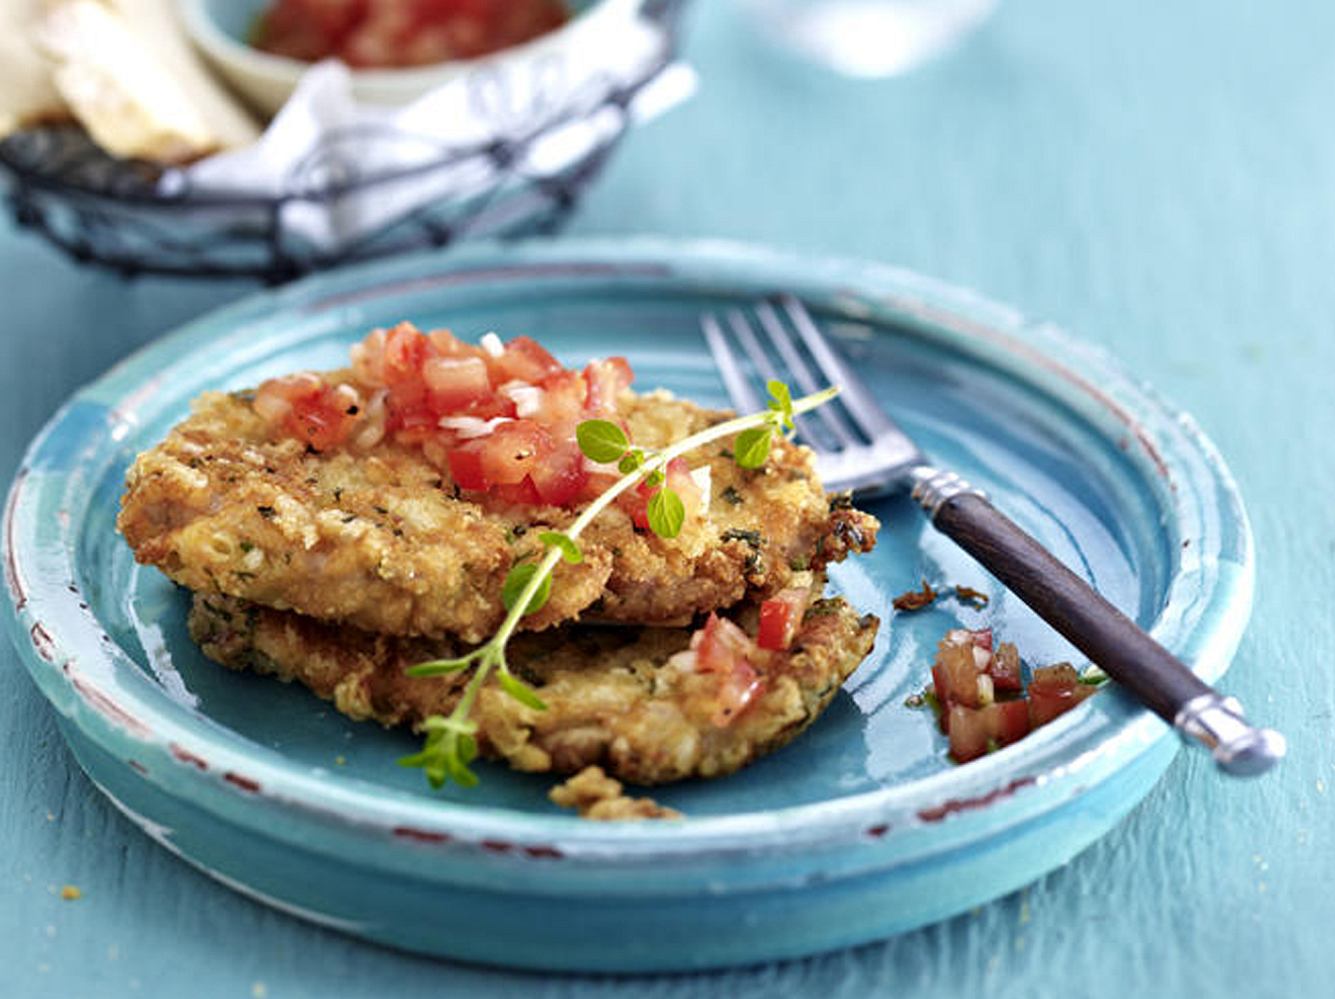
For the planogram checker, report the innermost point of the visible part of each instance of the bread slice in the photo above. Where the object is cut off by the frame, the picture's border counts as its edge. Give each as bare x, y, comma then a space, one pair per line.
28, 92
130, 77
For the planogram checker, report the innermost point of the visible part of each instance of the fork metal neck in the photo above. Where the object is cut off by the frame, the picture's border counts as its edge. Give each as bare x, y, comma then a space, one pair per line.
932, 487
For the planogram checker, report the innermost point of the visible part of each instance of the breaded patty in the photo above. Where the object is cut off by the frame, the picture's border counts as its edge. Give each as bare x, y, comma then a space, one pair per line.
382, 540
615, 697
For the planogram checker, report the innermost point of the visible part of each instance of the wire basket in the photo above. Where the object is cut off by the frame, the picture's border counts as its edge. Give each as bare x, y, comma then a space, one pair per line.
135, 217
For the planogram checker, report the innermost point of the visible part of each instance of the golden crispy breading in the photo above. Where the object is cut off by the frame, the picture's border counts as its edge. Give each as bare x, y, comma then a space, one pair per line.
613, 698
598, 797
381, 540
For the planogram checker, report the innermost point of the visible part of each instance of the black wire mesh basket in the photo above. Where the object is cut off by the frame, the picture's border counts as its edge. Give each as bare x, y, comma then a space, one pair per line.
137, 217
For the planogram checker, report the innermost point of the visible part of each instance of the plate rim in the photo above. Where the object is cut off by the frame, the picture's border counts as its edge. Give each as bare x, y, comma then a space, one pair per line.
1043, 769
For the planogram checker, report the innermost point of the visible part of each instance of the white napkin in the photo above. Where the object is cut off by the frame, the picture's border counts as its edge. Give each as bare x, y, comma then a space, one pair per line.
322, 133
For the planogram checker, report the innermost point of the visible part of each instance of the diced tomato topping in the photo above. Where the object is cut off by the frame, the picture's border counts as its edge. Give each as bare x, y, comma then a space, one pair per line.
559, 478
781, 616
513, 450
1053, 691
725, 650
446, 344
1004, 668
956, 674
561, 403
1007, 721
525, 360
454, 383
966, 678
308, 409
522, 493
405, 352
501, 417
967, 728
607, 379
466, 467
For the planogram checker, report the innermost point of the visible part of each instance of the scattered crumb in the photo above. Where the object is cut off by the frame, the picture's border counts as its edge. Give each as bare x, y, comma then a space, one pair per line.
50, 816
599, 797
913, 600
259, 990
1320, 786
69, 893
340, 760
968, 595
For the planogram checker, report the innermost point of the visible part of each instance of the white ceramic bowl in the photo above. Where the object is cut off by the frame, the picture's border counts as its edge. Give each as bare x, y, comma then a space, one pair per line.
218, 28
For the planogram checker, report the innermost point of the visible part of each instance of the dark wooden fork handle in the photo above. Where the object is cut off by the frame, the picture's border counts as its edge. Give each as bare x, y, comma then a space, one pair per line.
1094, 626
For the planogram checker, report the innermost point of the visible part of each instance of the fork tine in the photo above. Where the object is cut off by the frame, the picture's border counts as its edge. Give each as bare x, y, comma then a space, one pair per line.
801, 372
761, 358
859, 402
739, 388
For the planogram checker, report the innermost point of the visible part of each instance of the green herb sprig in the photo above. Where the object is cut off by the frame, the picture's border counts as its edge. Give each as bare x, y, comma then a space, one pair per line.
451, 742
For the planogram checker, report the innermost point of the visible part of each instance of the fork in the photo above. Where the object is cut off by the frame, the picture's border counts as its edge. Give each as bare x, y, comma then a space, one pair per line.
859, 447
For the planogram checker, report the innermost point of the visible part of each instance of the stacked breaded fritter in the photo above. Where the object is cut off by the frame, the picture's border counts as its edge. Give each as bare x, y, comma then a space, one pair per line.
340, 566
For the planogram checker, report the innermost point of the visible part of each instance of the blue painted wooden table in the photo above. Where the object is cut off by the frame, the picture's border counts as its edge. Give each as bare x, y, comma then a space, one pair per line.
1159, 178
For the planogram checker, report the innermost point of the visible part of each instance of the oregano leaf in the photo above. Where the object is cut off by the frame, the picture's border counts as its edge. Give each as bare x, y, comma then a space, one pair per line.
438, 667
514, 584
752, 447
601, 441
666, 513
520, 691
781, 401
569, 550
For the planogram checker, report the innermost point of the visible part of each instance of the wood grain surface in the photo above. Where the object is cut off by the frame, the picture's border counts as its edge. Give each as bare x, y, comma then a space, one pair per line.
1159, 178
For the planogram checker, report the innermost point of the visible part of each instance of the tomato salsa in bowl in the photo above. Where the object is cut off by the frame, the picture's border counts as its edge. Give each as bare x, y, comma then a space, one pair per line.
383, 34
398, 49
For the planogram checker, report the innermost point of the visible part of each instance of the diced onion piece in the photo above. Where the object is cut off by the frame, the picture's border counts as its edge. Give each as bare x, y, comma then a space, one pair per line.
470, 427
527, 398
491, 343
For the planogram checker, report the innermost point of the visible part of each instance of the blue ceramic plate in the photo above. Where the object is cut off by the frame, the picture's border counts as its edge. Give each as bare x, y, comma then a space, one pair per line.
860, 829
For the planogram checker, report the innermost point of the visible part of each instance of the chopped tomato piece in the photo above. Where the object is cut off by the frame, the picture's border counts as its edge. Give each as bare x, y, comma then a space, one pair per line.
307, 408
368, 358
466, 467
956, 673
514, 450
1053, 691
781, 616
561, 400
607, 379
446, 344
525, 360
1006, 721
982, 638
967, 728
560, 478
724, 649
522, 493
406, 350
453, 383
1004, 668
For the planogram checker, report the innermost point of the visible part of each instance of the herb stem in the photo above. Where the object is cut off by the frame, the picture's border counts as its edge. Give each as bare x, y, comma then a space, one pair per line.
443, 754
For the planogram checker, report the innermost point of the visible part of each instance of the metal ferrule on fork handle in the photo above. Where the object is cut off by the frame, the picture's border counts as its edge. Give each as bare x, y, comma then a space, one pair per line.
933, 486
